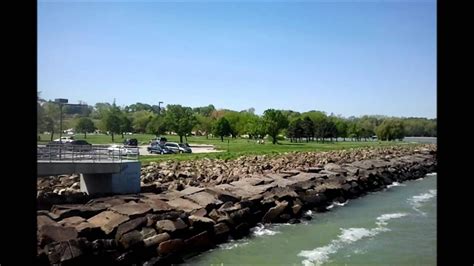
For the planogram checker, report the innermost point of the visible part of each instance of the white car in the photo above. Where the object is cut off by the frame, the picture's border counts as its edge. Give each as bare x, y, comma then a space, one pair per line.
65, 139
121, 150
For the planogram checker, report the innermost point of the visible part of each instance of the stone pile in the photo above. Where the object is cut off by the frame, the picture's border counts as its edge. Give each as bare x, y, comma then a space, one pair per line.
167, 227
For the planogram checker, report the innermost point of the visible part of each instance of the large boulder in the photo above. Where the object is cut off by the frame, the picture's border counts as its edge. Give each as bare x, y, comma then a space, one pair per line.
72, 221
132, 209
184, 205
222, 195
171, 246
66, 251
201, 223
170, 226
108, 220
131, 239
274, 212
204, 199
156, 239
52, 233
158, 205
199, 242
130, 225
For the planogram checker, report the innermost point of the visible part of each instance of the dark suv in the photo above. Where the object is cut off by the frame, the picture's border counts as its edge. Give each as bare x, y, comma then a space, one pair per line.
159, 149
130, 142
78, 145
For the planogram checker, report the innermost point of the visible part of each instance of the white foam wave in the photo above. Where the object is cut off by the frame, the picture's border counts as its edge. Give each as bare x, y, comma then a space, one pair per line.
382, 219
335, 203
309, 212
320, 255
341, 204
396, 184
261, 230
417, 201
431, 174
233, 244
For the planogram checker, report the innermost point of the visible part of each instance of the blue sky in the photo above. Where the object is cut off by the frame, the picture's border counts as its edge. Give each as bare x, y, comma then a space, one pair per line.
344, 57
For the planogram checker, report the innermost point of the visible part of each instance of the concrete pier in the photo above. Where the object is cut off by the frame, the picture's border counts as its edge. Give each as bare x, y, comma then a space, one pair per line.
121, 177
126, 181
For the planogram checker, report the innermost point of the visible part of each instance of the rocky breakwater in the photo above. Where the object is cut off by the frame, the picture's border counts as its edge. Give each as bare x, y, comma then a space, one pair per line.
164, 228
175, 175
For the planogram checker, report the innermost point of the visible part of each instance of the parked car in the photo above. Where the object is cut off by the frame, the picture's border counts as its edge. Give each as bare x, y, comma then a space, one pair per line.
65, 139
122, 151
78, 145
159, 149
178, 147
130, 142
74, 145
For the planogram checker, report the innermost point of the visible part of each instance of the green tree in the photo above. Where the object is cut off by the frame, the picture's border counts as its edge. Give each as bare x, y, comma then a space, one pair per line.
307, 126
50, 117
157, 125
255, 127
100, 110
204, 124
205, 110
341, 128
180, 119
274, 121
390, 129
112, 120
222, 128
125, 124
295, 130
85, 125
141, 119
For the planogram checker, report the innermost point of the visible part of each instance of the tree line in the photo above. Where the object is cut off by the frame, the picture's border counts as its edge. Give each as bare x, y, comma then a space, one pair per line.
209, 121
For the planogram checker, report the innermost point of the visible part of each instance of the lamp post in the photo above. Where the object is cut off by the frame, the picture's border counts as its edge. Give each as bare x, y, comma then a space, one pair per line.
61, 102
159, 108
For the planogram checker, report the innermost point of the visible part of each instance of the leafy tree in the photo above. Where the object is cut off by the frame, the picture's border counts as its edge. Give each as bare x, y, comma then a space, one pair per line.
390, 129
204, 124
233, 118
255, 127
50, 118
141, 120
354, 131
112, 120
157, 125
341, 128
222, 128
85, 125
100, 110
307, 126
274, 121
180, 120
125, 125
205, 110
295, 130
137, 107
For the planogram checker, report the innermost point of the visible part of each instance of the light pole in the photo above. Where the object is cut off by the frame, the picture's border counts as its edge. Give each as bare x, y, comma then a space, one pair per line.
159, 108
61, 103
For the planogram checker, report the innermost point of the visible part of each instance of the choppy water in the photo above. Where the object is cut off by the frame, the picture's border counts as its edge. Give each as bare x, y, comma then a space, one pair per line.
392, 227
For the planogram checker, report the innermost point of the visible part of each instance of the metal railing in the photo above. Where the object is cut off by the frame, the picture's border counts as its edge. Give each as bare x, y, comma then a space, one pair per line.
94, 153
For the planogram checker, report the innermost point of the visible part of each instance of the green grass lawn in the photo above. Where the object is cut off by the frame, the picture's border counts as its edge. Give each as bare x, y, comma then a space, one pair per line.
232, 148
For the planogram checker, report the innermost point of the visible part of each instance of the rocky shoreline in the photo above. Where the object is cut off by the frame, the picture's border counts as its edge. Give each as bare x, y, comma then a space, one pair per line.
181, 215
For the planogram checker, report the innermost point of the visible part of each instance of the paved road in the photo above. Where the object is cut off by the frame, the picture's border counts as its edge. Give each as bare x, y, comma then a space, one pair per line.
194, 147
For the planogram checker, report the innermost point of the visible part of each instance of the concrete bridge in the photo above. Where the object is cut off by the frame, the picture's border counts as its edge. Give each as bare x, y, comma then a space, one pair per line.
101, 170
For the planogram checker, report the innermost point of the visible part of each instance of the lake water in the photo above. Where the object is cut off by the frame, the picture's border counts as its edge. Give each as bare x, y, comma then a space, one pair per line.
396, 226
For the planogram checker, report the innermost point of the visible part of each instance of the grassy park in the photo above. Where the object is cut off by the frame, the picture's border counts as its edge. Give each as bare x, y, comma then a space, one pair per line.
232, 148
